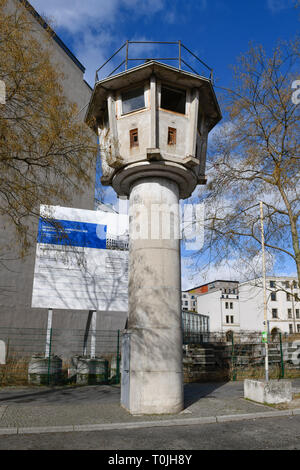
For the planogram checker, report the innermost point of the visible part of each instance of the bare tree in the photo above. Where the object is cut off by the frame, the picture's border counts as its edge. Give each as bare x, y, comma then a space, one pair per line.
255, 157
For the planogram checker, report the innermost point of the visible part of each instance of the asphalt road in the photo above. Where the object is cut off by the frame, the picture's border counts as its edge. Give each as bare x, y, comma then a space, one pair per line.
261, 434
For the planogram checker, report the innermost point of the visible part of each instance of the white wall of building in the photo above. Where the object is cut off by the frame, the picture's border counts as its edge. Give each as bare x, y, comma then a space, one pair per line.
283, 309
222, 309
188, 302
247, 308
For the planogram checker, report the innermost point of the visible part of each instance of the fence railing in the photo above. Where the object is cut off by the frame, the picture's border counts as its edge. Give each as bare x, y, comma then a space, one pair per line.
242, 355
248, 355
123, 55
31, 356
37, 356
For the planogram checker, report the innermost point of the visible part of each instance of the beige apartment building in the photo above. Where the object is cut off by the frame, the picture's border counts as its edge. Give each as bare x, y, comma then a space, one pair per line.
16, 274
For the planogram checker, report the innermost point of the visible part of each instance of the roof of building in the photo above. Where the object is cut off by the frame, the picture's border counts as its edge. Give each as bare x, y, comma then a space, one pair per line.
208, 283
55, 37
270, 278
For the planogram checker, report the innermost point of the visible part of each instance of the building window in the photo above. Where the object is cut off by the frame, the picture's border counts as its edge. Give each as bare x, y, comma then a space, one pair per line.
133, 100
298, 328
173, 99
274, 313
273, 295
287, 284
288, 297
226, 305
272, 284
289, 313
186, 302
227, 318
291, 328
295, 285
171, 136
297, 313
231, 305
231, 318
134, 138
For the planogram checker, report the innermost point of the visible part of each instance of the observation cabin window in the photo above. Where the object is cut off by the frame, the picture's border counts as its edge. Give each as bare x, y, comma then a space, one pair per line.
134, 138
132, 100
173, 99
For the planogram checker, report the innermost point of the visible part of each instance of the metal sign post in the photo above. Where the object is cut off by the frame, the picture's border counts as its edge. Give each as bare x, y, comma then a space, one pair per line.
93, 334
49, 329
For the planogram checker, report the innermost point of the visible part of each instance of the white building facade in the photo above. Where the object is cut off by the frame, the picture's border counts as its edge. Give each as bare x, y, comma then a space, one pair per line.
222, 308
283, 305
188, 302
244, 310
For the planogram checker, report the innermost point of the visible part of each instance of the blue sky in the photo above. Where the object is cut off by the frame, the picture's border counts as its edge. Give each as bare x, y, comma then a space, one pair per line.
218, 31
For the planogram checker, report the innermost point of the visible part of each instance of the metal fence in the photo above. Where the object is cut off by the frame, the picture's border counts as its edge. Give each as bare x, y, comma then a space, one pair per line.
128, 55
37, 356
248, 356
236, 356
30, 356
195, 327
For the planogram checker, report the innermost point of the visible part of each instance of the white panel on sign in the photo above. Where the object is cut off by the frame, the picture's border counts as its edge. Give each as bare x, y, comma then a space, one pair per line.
81, 260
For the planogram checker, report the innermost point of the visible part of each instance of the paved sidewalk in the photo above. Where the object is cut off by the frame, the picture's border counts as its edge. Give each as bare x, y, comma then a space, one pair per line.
58, 409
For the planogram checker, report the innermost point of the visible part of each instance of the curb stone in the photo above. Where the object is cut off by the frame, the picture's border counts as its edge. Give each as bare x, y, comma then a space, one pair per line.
45, 429
148, 424
6, 431
266, 414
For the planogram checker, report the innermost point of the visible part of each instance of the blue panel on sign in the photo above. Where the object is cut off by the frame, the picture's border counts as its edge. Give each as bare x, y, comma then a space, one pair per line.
67, 232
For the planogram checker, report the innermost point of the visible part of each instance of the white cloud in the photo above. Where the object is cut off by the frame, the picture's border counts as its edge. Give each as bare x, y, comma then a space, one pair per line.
94, 26
234, 269
192, 277
75, 15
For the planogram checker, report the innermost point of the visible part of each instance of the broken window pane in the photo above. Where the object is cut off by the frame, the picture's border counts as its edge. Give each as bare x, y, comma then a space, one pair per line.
171, 136
133, 100
134, 138
173, 99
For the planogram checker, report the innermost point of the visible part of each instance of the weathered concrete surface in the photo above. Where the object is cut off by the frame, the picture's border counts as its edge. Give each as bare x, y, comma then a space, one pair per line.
155, 374
272, 392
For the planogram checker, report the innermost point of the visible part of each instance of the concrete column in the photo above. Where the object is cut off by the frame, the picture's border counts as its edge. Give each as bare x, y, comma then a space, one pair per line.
154, 323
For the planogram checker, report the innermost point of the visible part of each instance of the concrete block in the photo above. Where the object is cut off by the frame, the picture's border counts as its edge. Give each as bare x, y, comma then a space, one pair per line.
2, 352
271, 392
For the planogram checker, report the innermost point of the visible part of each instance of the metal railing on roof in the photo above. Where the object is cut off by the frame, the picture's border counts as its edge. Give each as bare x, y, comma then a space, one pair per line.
179, 58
